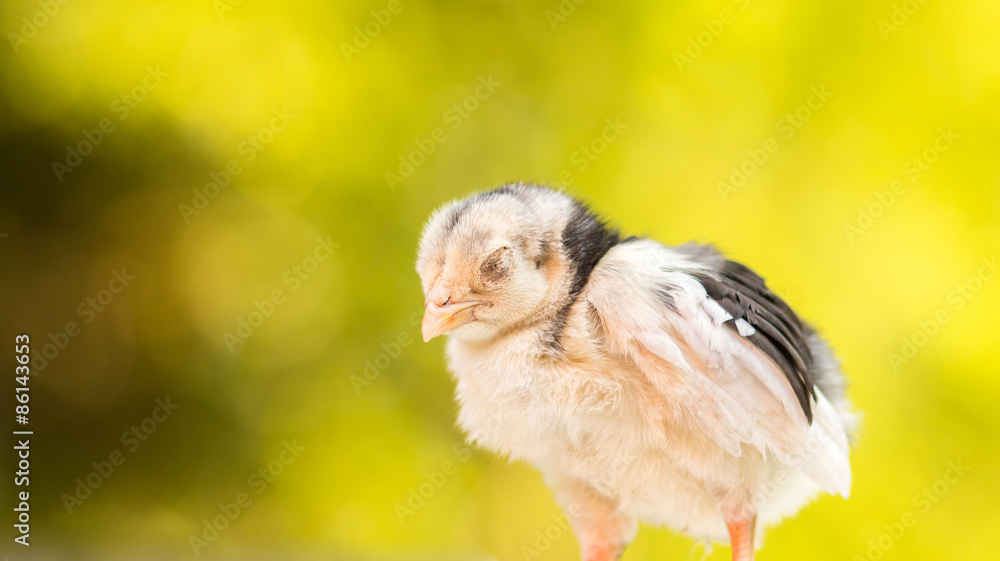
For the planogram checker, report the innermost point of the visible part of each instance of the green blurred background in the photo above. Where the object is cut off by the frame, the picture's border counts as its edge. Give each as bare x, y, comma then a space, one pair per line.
228, 150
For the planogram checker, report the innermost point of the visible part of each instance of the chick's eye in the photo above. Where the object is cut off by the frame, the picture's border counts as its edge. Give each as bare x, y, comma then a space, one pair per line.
496, 265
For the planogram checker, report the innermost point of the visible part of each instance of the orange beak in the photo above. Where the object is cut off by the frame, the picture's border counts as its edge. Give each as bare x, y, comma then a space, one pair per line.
439, 320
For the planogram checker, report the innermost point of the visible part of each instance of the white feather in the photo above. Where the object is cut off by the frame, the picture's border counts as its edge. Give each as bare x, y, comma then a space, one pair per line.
736, 396
744, 327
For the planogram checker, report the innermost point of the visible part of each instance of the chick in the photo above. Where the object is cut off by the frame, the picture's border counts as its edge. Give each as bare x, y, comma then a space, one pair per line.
647, 383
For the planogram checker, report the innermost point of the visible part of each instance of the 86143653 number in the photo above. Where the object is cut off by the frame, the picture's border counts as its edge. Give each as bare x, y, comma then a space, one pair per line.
21, 376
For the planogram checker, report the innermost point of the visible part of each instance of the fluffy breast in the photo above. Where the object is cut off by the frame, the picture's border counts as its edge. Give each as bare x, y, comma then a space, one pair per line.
596, 418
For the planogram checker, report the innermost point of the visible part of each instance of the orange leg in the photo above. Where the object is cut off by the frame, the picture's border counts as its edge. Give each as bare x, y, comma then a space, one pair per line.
602, 529
741, 538
603, 554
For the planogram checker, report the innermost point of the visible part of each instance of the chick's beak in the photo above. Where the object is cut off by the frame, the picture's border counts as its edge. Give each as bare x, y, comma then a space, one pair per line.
439, 320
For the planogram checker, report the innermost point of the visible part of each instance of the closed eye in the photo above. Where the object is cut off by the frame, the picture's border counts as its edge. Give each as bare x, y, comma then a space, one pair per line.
496, 265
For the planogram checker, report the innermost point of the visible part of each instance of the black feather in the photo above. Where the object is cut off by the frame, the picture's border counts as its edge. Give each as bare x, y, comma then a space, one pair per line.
585, 240
779, 333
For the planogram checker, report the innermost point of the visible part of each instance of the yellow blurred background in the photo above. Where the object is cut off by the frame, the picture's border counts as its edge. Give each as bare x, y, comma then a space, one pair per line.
224, 197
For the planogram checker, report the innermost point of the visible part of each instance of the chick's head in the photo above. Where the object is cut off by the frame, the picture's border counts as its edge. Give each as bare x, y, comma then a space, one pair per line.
482, 264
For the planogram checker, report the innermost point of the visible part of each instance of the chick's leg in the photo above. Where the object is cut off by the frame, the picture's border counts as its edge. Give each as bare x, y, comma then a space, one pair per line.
602, 529
741, 538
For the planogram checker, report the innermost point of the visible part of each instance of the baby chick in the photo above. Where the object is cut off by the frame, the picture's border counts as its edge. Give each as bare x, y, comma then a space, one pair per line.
645, 382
